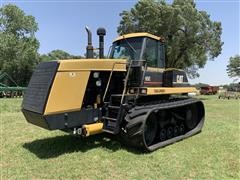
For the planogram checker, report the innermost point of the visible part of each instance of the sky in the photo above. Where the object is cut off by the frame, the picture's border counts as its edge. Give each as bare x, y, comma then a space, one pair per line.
62, 26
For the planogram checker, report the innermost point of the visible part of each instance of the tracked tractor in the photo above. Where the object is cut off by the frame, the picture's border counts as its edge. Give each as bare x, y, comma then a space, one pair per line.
129, 94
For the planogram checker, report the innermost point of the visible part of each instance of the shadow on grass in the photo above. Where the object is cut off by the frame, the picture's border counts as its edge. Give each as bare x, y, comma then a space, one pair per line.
203, 99
207, 97
57, 146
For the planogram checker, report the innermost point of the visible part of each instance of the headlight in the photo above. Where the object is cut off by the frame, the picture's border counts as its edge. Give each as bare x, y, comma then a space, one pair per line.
143, 91
131, 91
98, 83
96, 74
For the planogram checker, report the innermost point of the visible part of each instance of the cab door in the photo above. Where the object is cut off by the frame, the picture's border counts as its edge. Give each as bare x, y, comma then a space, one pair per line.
154, 56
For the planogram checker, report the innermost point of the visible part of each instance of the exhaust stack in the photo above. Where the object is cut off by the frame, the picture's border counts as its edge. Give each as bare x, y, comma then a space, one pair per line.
89, 48
101, 32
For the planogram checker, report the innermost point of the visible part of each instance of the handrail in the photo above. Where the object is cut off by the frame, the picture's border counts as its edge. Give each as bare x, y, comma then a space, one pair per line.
126, 79
127, 76
125, 82
144, 72
110, 77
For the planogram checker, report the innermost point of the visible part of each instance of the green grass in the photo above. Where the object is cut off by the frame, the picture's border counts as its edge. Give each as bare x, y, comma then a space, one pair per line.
29, 152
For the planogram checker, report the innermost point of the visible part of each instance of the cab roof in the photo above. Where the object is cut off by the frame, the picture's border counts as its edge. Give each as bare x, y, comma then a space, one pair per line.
140, 34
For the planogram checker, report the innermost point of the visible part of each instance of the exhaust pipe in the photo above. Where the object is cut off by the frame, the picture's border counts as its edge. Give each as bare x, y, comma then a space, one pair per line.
101, 32
89, 48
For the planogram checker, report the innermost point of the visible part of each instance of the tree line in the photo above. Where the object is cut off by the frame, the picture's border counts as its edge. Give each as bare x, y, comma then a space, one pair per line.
192, 37
19, 47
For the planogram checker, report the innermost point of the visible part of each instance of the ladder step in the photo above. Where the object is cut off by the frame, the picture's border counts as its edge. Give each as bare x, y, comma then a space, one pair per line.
108, 131
110, 124
110, 127
114, 107
109, 118
106, 102
117, 95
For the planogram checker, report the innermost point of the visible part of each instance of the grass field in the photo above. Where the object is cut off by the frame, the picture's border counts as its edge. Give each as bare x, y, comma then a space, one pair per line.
29, 152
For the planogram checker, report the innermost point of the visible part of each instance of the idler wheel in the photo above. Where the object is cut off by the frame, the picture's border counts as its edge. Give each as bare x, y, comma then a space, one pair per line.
150, 129
191, 117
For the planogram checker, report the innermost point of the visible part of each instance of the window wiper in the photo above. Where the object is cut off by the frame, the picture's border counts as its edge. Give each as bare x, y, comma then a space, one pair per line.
109, 51
129, 45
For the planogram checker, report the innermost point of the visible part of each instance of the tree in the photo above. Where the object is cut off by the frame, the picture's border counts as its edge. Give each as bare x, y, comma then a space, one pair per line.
199, 85
58, 55
233, 68
18, 46
192, 38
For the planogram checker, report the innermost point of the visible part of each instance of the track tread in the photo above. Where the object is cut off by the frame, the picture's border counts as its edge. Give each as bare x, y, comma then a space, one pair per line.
136, 117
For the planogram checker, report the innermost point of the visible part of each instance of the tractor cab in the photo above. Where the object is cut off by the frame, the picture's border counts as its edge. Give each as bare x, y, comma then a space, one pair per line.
144, 49
140, 46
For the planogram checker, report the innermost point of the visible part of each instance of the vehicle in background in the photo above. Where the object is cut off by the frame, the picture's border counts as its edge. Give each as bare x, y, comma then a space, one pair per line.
208, 90
192, 94
231, 92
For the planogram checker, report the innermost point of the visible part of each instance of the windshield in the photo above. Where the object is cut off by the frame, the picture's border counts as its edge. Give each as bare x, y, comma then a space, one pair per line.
127, 49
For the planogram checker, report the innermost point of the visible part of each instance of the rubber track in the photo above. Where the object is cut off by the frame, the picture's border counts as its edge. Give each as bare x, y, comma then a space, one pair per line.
136, 117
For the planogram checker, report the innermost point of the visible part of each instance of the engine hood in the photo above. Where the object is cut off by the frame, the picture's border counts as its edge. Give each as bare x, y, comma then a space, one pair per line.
92, 65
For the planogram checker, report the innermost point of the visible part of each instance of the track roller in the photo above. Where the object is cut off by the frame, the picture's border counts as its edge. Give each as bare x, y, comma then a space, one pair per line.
169, 132
181, 129
163, 135
175, 131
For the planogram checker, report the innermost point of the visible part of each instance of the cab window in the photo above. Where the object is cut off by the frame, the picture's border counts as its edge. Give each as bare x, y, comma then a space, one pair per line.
151, 53
127, 48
